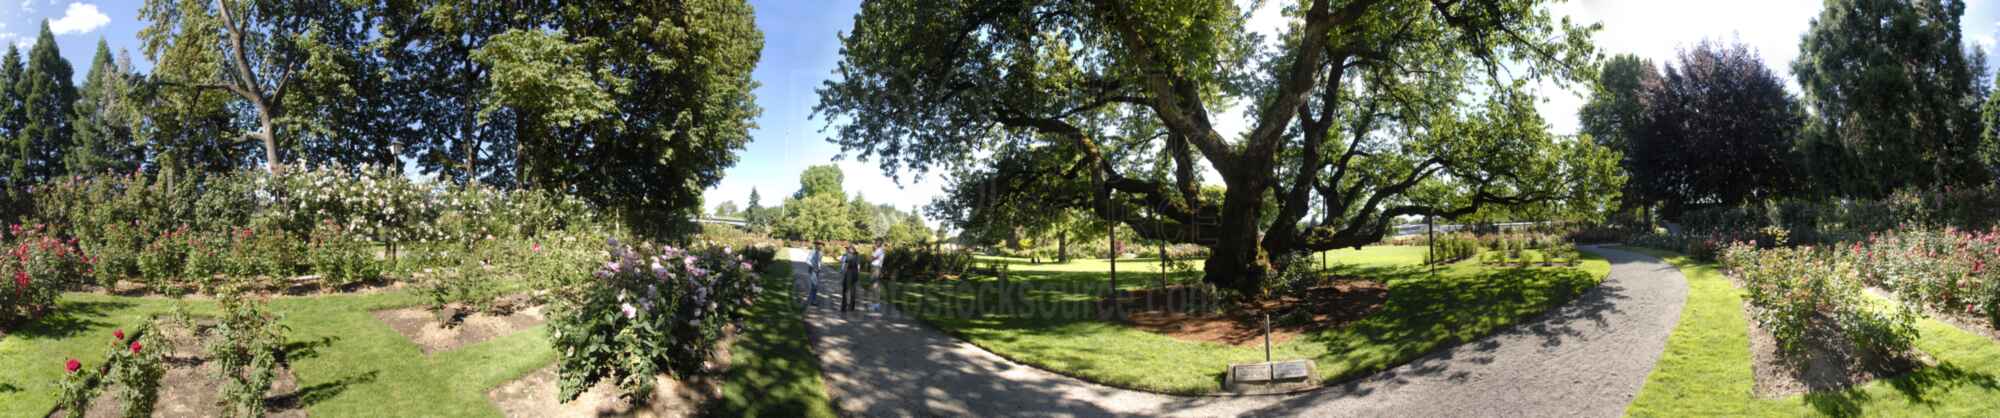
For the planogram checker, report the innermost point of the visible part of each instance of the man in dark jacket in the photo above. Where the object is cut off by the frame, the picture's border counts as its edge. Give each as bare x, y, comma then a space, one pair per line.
850, 276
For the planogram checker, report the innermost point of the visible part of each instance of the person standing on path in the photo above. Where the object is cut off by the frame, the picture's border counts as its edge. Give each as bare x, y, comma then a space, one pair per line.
850, 269
875, 267
812, 270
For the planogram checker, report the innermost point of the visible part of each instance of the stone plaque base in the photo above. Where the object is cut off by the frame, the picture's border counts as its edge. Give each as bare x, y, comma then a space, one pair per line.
1271, 377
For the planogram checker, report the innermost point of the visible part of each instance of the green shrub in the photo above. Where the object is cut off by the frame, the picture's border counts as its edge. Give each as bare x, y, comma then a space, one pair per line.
339, 257
1451, 248
924, 264
245, 352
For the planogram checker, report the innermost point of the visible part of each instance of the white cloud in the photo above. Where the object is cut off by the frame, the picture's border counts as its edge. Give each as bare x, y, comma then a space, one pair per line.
27, 6
79, 18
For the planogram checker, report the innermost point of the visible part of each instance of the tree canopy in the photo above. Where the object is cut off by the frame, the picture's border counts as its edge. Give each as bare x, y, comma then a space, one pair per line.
1374, 110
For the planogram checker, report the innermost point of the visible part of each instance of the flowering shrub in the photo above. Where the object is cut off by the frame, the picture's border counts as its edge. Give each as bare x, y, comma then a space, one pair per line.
339, 257
38, 268
134, 364
648, 310
161, 261
1947, 270
77, 387
1798, 289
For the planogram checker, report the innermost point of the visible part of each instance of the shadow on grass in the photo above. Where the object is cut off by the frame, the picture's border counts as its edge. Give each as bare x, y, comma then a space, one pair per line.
298, 350
1918, 385
1427, 312
9, 388
69, 319
774, 371
308, 396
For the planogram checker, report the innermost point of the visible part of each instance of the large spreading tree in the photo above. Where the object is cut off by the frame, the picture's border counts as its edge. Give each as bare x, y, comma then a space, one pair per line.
1894, 97
1373, 110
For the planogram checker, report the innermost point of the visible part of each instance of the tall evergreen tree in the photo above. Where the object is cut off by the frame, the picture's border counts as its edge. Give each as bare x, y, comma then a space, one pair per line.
104, 116
11, 118
1893, 97
47, 97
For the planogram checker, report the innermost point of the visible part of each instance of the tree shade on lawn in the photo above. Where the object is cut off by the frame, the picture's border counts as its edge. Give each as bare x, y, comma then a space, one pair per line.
1463, 302
1706, 369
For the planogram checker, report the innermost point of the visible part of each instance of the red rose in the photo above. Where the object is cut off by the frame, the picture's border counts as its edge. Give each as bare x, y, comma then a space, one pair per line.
73, 365
135, 347
21, 280
120, 333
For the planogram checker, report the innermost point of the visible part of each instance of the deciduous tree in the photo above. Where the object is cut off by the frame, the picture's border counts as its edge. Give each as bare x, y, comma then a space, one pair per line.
1717, 129
1362, 105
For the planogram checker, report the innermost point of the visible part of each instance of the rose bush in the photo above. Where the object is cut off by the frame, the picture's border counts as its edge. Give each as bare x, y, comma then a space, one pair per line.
38, 267
1947, 270
1798, 289
649, 309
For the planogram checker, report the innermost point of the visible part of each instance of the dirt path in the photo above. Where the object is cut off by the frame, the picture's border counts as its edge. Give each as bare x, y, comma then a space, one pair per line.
1587, 358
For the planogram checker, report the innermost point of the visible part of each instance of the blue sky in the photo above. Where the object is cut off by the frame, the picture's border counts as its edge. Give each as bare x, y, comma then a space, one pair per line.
801, 49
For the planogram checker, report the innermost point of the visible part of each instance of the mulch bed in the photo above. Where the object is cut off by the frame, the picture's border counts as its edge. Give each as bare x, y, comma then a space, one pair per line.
1830, 363
462, 328
1335, 303
534, 395
190, 387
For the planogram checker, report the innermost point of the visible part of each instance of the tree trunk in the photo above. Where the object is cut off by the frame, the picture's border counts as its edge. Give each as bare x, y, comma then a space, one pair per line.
1062, 248
1237, 261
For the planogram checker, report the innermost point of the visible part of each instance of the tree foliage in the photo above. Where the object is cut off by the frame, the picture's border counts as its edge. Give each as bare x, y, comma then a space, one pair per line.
1893, 96
105, 115
46, 94
1716, 130
1374, 109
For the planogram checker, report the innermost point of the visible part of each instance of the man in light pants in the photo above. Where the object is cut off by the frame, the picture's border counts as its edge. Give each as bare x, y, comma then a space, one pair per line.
812, 270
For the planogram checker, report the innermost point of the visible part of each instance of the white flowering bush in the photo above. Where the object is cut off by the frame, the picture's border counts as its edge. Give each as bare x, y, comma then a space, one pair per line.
371, 201
649, 309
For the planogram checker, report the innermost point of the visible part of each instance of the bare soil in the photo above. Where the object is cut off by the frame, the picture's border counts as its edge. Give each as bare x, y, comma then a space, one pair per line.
460, 329
1830, 363
534, 395
191, 387
1330, 305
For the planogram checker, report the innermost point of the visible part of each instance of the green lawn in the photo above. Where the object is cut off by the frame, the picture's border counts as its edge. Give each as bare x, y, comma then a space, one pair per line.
350, 364
1462, 302
773, 371
1706, 369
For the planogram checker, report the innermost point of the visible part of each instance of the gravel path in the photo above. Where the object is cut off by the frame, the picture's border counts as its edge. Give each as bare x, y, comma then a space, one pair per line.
1587, 358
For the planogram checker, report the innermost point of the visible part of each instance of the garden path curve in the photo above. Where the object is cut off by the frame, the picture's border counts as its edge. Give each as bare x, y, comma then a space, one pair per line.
1587, 358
